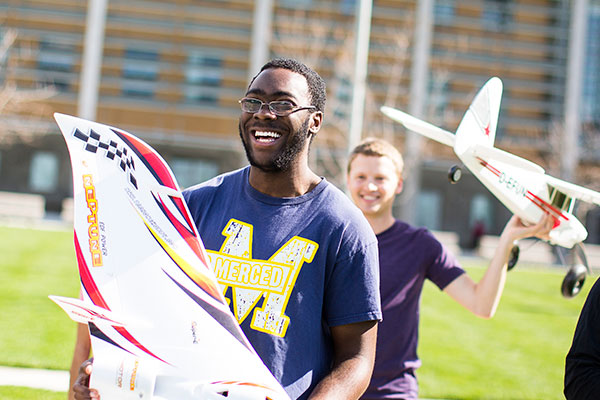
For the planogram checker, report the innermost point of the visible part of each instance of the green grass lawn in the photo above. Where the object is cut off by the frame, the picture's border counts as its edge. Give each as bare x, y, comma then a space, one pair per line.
519, 354
22, 393
35, 332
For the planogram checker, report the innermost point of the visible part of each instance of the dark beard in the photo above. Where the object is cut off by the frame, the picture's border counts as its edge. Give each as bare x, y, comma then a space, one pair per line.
286, 156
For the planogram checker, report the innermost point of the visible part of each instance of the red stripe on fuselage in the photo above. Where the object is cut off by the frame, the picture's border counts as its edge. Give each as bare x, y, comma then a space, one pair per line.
547, 208
543, 205
491, 168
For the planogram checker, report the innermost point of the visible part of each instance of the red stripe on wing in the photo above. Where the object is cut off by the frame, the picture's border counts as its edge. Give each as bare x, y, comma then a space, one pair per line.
92, 290
181, 207
86, 278
186, 232
154, 163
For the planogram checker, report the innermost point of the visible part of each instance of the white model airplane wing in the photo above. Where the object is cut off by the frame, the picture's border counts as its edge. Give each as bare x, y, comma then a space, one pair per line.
573, 190
419, 126
486, 152
159, 324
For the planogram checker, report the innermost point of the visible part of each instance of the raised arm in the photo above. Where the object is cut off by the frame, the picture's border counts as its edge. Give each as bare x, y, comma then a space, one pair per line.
354, 347
482, 298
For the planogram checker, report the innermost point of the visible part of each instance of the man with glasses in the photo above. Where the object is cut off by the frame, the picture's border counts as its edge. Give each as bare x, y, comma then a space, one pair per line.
308, 296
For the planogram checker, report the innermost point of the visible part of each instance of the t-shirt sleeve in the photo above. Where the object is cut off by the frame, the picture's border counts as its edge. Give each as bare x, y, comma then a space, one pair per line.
444, 267
352, 291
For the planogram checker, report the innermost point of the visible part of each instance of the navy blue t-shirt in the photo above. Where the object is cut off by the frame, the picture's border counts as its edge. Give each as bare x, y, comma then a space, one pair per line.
407, 256
291, 269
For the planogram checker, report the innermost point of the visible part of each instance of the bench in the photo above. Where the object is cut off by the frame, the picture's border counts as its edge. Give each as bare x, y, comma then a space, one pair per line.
21, 206
450, 240
66, 213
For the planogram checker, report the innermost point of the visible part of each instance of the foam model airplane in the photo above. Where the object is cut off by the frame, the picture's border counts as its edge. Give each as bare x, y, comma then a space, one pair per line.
522, 186
159, 324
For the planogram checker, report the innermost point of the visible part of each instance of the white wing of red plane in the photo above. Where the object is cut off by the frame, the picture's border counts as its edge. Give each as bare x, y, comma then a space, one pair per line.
573, 190
419, 126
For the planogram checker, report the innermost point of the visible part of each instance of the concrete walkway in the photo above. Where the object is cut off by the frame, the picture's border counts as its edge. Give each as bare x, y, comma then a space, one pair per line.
57, 381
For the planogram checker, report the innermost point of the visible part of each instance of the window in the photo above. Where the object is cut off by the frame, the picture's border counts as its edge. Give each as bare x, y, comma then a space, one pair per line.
342, 88
139, 64
196, 94
203, 73
140, 70
3, 57
205, 77
190, 171
299, 4
428, 209
43, 172
444, 12
438, 95
495, 15
56, 60
348, 7
591, 88
56, 56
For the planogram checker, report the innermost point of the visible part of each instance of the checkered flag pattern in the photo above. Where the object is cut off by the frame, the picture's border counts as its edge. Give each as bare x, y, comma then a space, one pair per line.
93, 142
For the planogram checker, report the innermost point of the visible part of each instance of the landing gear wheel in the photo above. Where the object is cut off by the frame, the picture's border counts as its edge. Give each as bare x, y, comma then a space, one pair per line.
454, 174
573, 281
513, 257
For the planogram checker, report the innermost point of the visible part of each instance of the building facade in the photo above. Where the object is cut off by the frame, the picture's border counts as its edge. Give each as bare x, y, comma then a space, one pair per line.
172, 72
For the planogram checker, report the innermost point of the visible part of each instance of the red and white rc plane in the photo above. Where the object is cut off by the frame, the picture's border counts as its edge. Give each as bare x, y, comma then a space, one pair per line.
522, 186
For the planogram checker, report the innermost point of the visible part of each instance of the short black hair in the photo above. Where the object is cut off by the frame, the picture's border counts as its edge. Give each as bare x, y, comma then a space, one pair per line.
316, 84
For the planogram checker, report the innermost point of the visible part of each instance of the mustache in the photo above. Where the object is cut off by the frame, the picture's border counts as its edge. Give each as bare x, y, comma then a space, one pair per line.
259, 127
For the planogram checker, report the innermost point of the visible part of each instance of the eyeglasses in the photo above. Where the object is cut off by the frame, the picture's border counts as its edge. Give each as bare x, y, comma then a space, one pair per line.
279, 108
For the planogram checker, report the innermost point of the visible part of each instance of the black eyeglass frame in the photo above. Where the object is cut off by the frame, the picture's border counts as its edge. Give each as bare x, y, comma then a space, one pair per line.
271, 109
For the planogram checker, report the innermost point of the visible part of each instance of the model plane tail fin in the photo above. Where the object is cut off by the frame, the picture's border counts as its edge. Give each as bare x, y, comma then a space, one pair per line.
479, 123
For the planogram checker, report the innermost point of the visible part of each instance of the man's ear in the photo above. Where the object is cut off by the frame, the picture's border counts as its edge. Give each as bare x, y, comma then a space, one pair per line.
316, 122
400, 185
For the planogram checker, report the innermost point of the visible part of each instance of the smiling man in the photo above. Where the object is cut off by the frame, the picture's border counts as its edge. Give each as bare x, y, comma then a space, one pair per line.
306, 290
296, 260
409, 255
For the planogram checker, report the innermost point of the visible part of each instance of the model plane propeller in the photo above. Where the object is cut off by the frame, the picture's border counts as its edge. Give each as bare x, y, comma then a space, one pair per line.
521, 185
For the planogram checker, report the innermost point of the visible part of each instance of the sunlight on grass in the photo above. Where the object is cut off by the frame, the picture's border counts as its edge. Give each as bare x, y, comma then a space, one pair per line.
35, 332
519, 354
21, 393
